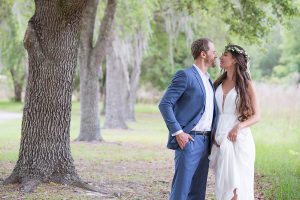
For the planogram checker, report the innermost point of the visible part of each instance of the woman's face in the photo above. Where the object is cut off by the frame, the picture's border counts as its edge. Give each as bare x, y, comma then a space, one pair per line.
227, 61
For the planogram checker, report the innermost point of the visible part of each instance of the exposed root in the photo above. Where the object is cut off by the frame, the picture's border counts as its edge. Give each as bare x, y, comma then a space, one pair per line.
86, 186
29, 185
12, 179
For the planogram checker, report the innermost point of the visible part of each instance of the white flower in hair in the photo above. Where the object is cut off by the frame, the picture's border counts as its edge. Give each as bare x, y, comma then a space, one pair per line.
236, 50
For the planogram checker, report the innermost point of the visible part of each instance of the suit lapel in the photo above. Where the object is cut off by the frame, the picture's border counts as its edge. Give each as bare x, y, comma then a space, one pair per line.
212, 85
196, 73
215, 103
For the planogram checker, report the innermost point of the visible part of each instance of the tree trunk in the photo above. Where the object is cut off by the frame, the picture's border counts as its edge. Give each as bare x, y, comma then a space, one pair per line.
139, 43
18, 86
51, 40
103, 92
18, 77
89, 95
90, 59
115, 102
132, 94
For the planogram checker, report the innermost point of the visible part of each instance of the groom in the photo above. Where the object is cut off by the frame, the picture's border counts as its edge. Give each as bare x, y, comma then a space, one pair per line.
189, 110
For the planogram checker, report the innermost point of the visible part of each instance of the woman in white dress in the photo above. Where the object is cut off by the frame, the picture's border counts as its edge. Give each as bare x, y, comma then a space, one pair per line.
233, 153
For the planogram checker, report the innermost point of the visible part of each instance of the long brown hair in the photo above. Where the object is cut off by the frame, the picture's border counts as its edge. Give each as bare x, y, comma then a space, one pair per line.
242, 76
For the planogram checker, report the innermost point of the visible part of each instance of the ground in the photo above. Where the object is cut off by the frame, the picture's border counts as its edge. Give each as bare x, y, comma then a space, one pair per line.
132, 164
118, 179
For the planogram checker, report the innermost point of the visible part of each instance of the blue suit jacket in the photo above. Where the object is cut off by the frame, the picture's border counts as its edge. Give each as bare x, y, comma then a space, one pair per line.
183, 104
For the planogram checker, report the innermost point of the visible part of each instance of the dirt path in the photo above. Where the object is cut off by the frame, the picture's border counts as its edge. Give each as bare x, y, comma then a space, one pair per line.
9, 116
125, 170
125, 177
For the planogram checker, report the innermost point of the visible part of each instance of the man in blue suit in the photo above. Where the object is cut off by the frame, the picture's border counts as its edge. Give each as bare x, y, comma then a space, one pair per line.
189, 110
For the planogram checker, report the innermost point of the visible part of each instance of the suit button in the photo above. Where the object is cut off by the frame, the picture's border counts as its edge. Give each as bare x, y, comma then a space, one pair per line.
194, 124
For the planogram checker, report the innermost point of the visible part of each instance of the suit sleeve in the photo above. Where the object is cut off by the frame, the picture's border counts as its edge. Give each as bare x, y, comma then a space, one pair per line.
173, 93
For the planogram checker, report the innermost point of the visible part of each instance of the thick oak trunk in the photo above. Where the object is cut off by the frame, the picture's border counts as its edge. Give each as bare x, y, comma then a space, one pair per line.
90, 59
51, 40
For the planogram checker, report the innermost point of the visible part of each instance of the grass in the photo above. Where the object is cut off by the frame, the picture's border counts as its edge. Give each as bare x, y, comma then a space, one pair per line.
277, 140
11, 106
135, 162
131, 164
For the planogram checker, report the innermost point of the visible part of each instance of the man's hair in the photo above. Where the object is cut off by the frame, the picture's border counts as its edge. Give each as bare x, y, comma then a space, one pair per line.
200, 45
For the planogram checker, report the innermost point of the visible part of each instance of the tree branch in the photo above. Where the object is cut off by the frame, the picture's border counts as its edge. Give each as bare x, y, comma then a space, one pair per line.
87, 28
98, 52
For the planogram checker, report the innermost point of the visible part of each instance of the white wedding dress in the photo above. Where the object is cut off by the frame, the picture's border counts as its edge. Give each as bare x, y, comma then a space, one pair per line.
232, 162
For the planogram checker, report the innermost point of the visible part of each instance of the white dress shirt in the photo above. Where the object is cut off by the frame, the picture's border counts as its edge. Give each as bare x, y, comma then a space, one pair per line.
205, 121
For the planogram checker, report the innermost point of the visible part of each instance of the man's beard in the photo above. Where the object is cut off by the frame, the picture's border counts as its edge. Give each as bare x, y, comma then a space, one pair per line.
214, 64
210, 62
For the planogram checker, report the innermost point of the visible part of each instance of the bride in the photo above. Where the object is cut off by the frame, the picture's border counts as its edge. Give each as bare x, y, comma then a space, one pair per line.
233, 153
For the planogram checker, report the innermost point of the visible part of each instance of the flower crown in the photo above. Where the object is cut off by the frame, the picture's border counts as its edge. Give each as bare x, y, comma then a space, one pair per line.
236, 50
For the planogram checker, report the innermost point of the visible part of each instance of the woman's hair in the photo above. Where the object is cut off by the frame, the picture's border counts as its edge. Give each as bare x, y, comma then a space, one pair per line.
242, 76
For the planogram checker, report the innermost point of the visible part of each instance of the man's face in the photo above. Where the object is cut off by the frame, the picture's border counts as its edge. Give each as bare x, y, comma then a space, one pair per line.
211, 55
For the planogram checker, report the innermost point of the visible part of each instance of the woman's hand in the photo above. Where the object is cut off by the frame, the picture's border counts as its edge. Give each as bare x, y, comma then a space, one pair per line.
233, 133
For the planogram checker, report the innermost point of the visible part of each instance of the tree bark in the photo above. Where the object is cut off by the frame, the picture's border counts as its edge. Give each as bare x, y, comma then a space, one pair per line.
90, 60
51, 40
115, 101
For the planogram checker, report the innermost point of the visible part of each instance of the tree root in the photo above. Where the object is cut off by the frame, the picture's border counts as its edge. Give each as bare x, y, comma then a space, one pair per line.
29, 185
86, 186
12, 179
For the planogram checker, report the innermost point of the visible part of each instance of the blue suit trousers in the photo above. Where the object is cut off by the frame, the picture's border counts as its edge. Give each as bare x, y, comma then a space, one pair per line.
191, 169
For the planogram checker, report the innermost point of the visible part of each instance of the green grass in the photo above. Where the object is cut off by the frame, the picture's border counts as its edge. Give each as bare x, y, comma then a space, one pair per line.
120, 161
277, 138
11, 106
149, 129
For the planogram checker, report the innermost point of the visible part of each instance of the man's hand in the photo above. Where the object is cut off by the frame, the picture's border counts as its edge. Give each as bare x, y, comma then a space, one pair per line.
183, 138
